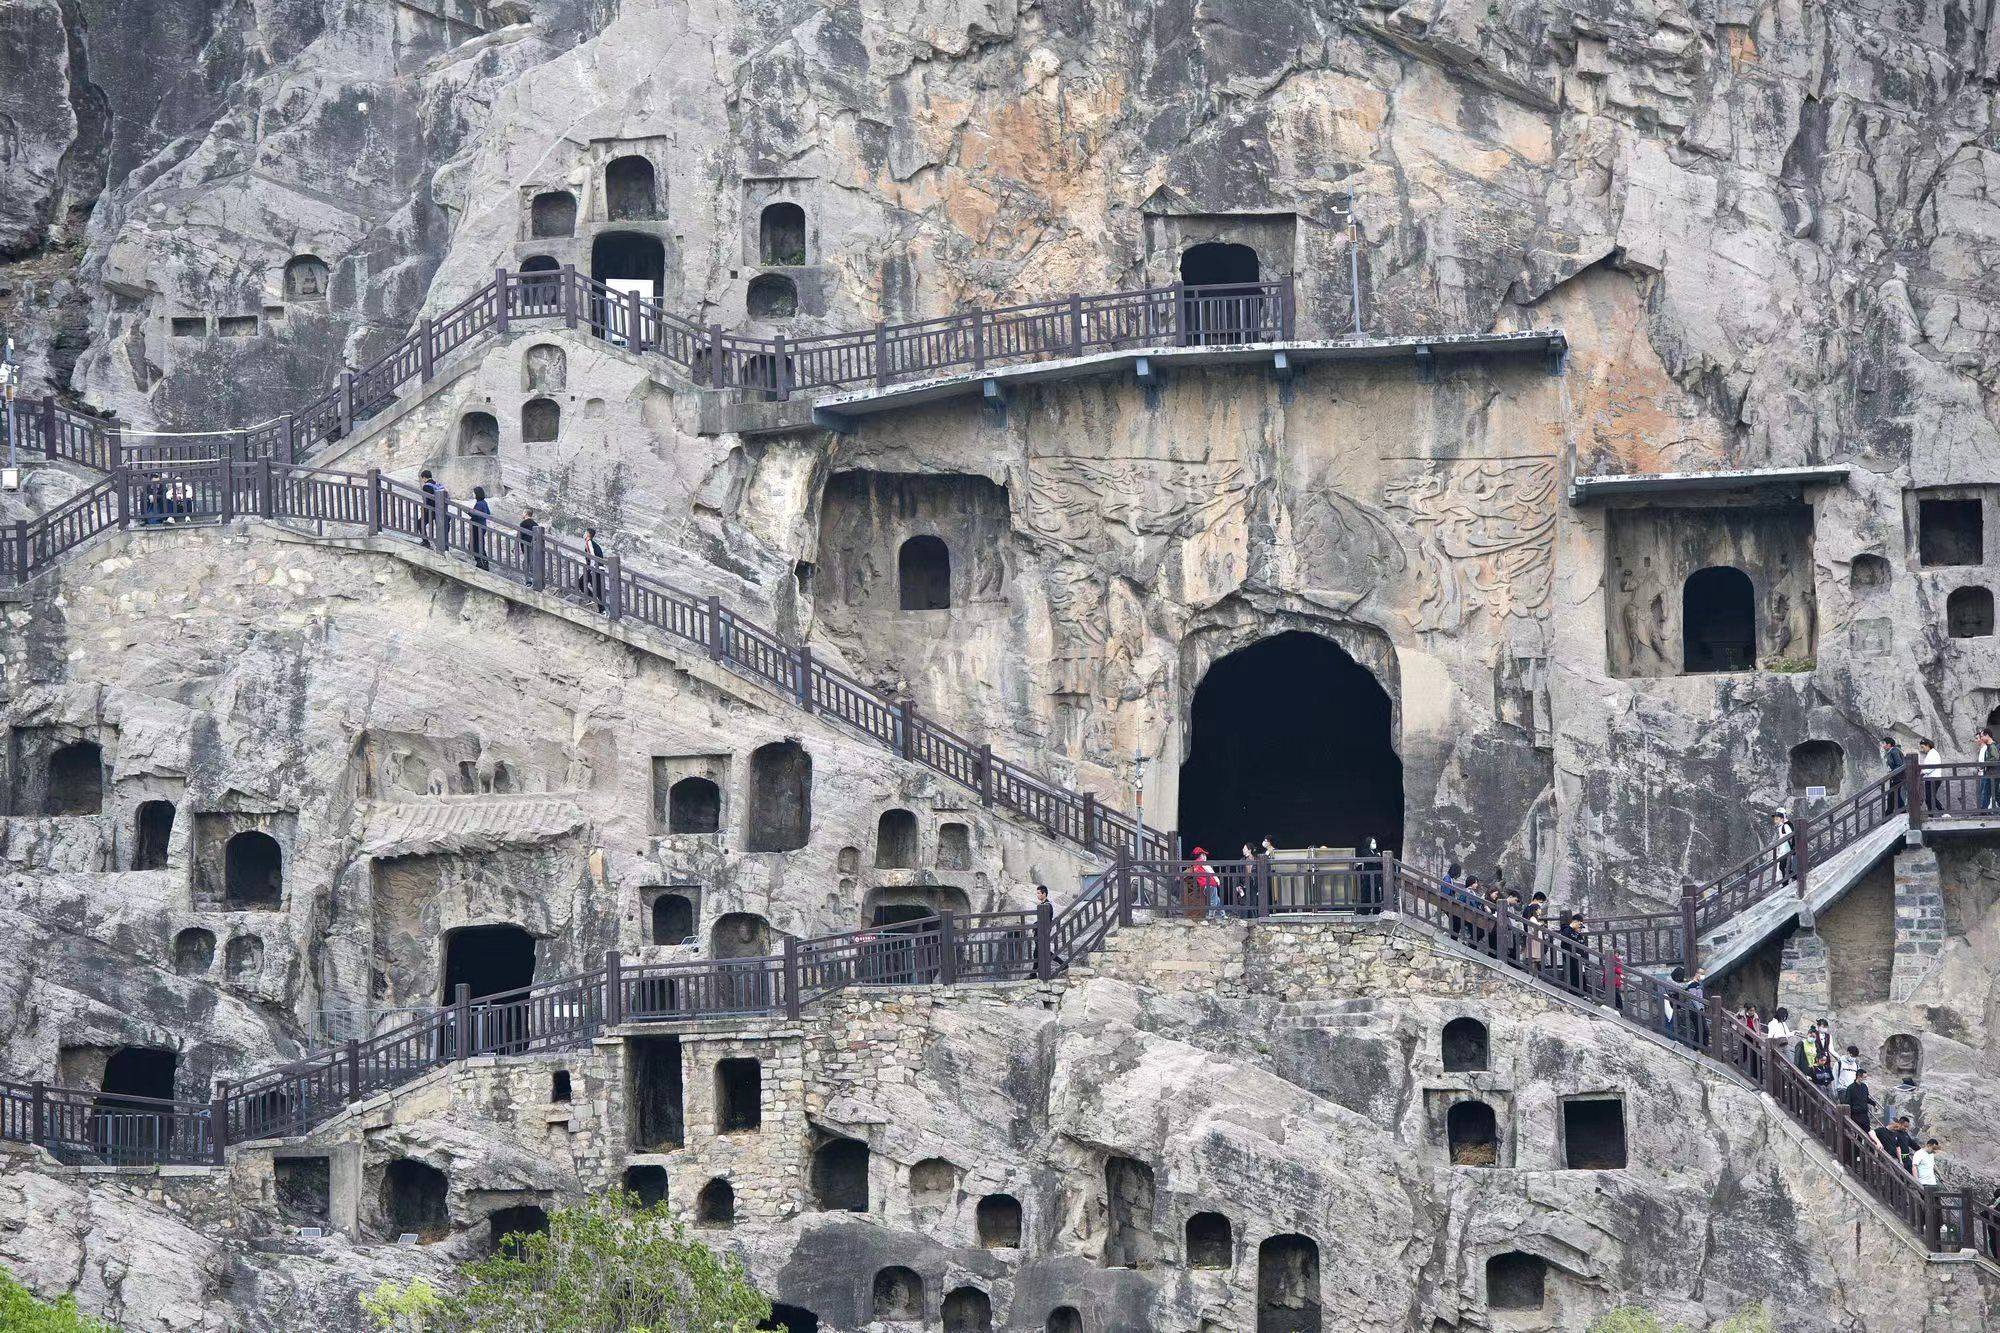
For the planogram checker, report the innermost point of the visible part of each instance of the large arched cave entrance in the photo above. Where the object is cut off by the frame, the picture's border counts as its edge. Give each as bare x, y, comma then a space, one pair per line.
1290, 738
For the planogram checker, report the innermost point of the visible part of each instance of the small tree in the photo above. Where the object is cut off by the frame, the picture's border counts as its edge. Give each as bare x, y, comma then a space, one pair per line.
605, 1265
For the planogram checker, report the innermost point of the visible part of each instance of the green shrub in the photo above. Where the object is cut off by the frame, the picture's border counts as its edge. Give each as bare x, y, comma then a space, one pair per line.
605, 1265
20, 1312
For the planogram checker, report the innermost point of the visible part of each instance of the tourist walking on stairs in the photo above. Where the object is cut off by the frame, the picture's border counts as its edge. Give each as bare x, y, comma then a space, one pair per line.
1987, 756
1929, 760
591, 580
481, 511
1783, 825
1858, 1099
1923, 1163
1894, 759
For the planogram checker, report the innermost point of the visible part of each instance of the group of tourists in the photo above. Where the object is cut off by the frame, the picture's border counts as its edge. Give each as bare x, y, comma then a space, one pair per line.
1548, 939
1930, 762
165, 501
590, 577
1838, 1071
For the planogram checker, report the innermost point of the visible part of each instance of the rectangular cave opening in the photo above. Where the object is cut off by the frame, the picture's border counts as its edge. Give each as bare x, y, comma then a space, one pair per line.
1950, 532
657, 1116
739, 1095
1594, 1133
305, 1193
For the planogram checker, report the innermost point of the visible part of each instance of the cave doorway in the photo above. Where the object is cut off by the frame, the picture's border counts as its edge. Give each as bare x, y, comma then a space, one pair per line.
253, 872
156, 829
124, 1130
413, 1199
1288, 1291
626, 258
76, 780
1718, 621
489, 960
1229, 308
1291, 739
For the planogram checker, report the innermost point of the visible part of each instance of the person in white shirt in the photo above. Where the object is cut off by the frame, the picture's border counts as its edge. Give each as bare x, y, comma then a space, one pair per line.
1923, 1163
1930, 759
1844, 1066
1779, 1029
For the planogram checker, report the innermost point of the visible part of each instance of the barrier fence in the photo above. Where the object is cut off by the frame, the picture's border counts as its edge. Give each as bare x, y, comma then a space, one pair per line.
169, 498
971, 340
81, 1125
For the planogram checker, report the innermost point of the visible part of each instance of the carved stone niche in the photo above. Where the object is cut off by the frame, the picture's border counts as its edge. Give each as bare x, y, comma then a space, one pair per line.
1723, 587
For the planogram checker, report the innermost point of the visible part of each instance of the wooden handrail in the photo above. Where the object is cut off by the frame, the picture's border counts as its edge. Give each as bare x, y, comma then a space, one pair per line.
1215, 315
952, 949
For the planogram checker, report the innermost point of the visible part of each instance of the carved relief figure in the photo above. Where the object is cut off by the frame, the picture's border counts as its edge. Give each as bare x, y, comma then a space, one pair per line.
1484, 531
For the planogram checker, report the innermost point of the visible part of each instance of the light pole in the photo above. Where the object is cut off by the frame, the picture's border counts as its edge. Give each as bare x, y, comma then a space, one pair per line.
1138, 797
1354, 264
10, 375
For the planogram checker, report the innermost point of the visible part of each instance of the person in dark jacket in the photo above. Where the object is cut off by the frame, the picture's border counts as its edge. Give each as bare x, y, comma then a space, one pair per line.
429, 516
1893, 758
1045, 922
591, 581
1860, 1101
481, 511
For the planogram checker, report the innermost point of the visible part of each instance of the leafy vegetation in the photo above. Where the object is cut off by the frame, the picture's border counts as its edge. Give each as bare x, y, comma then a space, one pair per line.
1632, 1319
606, 1265
20, 1312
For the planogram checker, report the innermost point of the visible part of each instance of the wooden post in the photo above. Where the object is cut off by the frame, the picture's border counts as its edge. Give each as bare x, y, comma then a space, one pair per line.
614, 988
947, 948
1089, 838
228, 471
41, 1113
291, 439
614, 569
793, 1005
1287, 308
353, 1070
1121, 870
1502, 931
374, 500
440, 503
1075, 324
20, 550
569, 295
122, 485
538, 559
1801, 858
978, 338
346, 401
906, 716
802, 688
717, 377
500, 300
48, 425
1180, 314
986, 775
881, 356
1690, 941
426, 351
718, 647
1913, 781
114, 449
1932, 1222
780, 376
635, 332
267, 490
218, 1123
462, 1003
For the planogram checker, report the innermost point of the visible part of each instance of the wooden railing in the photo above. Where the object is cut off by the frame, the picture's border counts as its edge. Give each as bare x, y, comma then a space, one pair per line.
168, 498
81, 1125
968, 341
1783, 866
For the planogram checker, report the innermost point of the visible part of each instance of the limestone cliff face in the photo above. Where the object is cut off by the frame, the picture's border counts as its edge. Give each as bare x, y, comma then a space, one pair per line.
1765, 230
